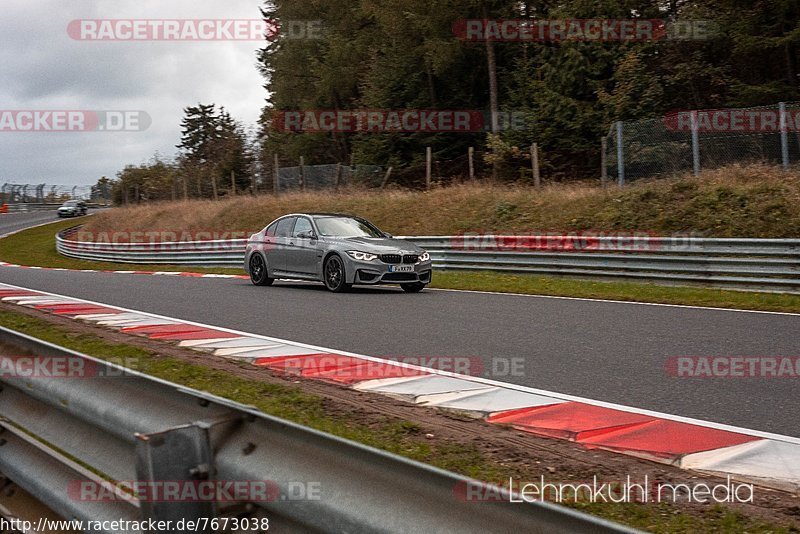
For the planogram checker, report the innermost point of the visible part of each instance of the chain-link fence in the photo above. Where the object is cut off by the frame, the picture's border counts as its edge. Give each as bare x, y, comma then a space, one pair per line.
328, 176
689, 141
44, 193
443, 170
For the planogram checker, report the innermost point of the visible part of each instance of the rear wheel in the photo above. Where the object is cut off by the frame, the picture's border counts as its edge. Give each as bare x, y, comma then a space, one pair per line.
415, 287
333, 275
258, 271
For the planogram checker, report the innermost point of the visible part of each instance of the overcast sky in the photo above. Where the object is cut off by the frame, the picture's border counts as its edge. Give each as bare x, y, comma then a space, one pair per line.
42, 68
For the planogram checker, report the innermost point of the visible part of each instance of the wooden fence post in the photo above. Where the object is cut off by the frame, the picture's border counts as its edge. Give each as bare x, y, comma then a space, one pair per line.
471, 155
302, 174
428, 162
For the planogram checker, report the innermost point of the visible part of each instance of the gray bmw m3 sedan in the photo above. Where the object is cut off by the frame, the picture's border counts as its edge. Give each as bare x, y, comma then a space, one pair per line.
338, 250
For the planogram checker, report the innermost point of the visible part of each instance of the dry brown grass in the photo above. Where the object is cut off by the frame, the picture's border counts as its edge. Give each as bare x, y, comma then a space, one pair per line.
742, 201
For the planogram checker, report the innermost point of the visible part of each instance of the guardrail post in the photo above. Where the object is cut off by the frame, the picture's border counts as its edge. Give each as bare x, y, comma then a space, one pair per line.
695, 144
620, 155
181, 456
784, 135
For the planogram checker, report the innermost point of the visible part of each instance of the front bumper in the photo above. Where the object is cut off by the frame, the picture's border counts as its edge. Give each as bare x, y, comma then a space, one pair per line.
377, 272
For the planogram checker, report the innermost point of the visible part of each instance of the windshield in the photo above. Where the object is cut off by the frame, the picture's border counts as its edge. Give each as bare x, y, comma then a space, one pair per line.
346, 227
71, 203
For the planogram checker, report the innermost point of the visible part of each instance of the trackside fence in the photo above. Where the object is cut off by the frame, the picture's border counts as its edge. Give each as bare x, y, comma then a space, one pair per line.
692, 140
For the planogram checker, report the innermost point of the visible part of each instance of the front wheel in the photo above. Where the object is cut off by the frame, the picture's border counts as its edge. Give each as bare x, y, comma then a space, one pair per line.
416, 287
334, 275
258, 271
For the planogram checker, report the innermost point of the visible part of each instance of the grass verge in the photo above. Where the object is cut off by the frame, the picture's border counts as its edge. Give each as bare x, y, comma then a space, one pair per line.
624, 291
733, 201
394, 435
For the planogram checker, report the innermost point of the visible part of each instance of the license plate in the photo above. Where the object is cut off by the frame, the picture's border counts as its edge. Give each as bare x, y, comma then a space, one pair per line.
401, 268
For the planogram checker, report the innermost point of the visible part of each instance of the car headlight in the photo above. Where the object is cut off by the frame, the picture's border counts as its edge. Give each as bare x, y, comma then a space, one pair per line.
424, 257
361, 256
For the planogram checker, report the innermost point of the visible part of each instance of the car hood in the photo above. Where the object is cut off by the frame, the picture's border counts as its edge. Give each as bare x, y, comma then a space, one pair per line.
376, 245
67, 208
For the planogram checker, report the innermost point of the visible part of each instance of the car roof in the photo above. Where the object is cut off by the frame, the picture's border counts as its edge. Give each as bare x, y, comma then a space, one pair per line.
314, 215
320, 214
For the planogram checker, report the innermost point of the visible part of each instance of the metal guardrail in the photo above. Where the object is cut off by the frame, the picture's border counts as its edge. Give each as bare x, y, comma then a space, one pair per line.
751, 264
120, 425
32, 207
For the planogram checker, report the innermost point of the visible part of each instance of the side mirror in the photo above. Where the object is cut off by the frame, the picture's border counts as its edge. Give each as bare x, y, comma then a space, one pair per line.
306, 235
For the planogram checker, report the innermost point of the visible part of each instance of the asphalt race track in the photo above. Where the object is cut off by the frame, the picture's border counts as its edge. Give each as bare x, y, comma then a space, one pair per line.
11, 222
614, 352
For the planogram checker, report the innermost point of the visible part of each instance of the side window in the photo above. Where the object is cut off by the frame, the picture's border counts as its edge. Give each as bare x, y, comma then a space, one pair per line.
285, 227
271, 230
302, 225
